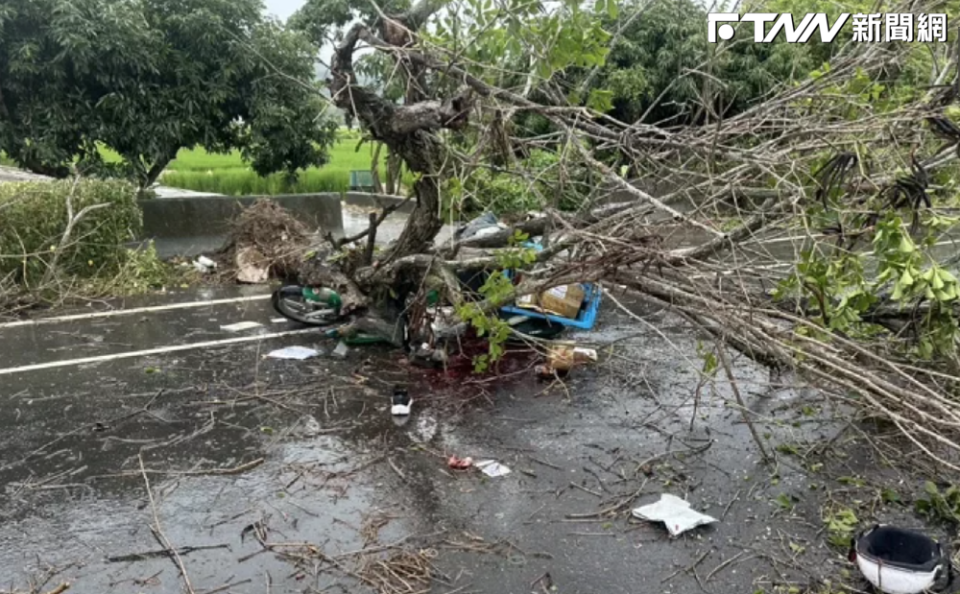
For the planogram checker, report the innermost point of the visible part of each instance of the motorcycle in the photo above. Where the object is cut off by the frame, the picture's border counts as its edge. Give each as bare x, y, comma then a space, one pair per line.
319, 307
322, 307
309, 306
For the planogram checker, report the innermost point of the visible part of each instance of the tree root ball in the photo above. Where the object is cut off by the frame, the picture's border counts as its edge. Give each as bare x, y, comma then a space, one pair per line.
269, 241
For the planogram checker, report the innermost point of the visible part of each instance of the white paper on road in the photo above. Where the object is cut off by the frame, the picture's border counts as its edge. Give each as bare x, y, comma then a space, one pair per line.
342, 350
298, 353
674, 512
492, 468
240, 326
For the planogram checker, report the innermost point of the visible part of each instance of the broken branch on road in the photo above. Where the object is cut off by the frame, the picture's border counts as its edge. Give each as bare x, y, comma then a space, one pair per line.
157, 532
163, 553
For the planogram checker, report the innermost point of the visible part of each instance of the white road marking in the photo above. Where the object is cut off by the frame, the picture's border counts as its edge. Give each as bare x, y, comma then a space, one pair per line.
241, 326
156, 351
124, 312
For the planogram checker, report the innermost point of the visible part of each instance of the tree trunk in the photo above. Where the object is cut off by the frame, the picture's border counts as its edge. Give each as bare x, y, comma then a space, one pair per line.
408, 131
424, 222
375, 169
4, 112
35, 166
153, 174
393, 174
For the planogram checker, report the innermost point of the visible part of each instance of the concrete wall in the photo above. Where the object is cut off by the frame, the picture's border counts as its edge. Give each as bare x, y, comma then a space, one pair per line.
196, 224
366, 200
209, 216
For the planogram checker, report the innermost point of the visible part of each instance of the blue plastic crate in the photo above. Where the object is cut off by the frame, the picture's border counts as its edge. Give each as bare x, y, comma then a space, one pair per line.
586, 318
587, 315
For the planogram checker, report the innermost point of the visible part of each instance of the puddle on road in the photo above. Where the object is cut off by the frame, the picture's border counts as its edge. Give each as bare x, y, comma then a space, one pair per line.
621, 432
75, 494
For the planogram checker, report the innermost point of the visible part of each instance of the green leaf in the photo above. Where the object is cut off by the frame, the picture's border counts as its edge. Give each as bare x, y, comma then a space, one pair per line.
897, 294
937, 282
612, 9
784, 501
906, 279
600, 100
788, 448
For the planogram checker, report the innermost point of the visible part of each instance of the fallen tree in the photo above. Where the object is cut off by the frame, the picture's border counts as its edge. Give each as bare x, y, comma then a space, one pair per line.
824, 168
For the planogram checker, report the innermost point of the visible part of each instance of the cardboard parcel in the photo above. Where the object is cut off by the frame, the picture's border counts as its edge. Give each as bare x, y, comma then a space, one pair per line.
563, 301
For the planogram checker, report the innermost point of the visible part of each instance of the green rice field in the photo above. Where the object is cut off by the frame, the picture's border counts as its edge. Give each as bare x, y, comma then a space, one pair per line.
198, 170
201, 171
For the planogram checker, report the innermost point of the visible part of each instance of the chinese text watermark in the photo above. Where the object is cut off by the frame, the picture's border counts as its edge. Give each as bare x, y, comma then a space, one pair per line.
867, 28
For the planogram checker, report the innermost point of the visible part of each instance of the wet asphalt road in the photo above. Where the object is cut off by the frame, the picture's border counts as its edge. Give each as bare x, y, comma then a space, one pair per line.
305, 452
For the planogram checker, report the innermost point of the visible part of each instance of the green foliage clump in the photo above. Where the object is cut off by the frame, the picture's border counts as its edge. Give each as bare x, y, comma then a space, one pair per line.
143, 269
941, 506
841, 525
150, 77
842, 290
541, 181
497, 289
660, 66
33, 219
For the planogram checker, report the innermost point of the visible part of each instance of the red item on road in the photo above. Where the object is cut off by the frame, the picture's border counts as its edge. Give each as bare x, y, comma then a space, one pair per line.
459, 464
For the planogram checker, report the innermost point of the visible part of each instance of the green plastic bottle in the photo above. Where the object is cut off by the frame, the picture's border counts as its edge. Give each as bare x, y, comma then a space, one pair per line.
323, 295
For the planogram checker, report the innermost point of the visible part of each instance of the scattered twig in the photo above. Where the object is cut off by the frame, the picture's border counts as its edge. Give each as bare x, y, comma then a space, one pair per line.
211, 472
612, 509
720, 567
159, 535
586, 490
645, 463
163, 553
725, 362
396, 469
544, 463
226, 586
729, 505
688, 568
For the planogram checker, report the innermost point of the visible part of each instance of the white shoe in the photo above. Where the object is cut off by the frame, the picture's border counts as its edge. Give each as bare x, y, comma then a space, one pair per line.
400, 403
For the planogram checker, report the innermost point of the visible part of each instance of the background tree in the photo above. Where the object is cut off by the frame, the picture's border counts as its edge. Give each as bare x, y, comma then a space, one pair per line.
150, 77
322, 21
661, 69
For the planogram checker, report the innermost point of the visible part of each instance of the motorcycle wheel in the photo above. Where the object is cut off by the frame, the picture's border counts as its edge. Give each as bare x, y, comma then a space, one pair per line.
289, 302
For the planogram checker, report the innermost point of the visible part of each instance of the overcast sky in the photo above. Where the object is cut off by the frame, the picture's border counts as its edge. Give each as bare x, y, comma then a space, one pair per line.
283, 8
